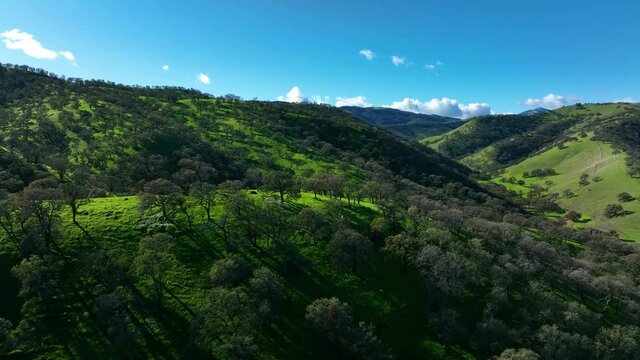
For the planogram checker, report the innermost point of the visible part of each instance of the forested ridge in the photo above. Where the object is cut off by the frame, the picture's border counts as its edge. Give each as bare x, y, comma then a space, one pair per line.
159, 222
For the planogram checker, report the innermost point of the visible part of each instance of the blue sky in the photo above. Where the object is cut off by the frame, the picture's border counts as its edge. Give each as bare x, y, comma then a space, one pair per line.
453, 57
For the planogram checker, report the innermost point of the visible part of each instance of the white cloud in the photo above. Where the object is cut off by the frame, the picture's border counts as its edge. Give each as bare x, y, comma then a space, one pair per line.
352, 101
204, 79
68, 55
367, 54
294, 95
16, 39
443, 107
625, 100
475, 109
398, 60
317, 99
165, 67
433, 66
550, 101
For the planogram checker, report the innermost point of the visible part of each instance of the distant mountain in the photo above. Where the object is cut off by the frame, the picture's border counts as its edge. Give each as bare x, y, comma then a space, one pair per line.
538, 110
404, 123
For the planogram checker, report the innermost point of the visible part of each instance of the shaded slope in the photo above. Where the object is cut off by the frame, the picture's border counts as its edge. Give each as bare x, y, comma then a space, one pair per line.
404, 123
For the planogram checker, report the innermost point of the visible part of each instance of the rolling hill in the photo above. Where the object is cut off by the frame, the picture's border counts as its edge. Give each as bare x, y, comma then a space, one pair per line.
600, 140
121, 139
404, 123
161, 222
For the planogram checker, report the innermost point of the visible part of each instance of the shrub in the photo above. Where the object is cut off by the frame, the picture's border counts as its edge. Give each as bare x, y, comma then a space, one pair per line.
572, 216
625, 197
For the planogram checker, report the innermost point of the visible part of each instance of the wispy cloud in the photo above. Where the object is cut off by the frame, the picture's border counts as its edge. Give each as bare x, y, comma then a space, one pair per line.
68, 55
625, 100
352, 101
550, 101
443, 107
367, 54
433, 66
16, 39
320, 99
398, 60
204, 79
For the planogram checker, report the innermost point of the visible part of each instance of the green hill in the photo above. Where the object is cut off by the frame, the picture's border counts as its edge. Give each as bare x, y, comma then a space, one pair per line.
597, 159
160, 222
509, 146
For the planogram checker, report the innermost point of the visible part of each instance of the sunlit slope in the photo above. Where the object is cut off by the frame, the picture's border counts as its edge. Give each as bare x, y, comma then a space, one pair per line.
586, 156
490, 143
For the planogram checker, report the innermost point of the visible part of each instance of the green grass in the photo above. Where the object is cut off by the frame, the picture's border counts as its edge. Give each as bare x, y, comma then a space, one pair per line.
382, 293
432, 139
480, 159
596, 159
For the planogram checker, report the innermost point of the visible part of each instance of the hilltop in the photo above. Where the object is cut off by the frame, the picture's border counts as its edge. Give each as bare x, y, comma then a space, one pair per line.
538, 110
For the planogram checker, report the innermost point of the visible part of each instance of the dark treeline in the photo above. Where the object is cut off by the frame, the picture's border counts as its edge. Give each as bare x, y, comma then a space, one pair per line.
224, 258
623, 132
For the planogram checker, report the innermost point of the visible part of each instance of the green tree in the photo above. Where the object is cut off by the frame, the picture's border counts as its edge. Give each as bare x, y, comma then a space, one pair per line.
518, 354
163, 196
206, 195
282, 182
618, 342
42, 201
349, 248
613, 210
330, 316
229, 272
572, 216
625, 197
154, 261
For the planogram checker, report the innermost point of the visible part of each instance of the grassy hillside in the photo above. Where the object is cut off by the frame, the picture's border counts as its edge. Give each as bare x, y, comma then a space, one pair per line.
512, 138
597, 159
519, 144
403, 123
388, 297
140, 222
